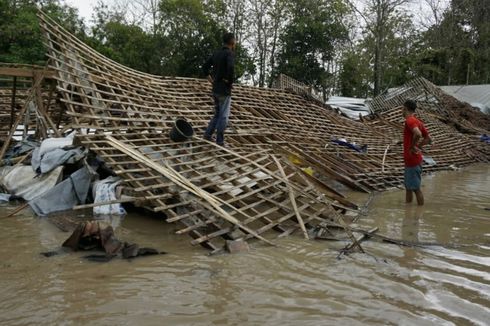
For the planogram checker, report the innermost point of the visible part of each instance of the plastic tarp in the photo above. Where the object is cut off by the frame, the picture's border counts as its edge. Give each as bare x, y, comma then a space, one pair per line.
68, 193
20, 148
54, 152
53, 143
350, 106
104, 191
54, 158
23, 182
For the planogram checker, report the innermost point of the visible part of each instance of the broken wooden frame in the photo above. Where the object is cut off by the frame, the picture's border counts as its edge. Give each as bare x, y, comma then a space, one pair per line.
34, 114
28, 106
248, 186
240, 191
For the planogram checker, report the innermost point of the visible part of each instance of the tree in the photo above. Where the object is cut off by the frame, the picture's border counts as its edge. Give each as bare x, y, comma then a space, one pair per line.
381, 18
457, 49
355, 74
266, 20
127, 43
189, 36
310, 41
20, 35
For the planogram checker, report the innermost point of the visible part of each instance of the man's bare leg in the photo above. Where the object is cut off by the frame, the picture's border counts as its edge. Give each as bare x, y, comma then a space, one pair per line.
420, 197
408, 196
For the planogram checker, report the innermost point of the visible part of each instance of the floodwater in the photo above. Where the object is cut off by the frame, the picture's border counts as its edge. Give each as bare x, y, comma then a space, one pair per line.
300, 283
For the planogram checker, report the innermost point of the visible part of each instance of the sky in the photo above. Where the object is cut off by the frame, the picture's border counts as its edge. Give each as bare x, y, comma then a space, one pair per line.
85, 7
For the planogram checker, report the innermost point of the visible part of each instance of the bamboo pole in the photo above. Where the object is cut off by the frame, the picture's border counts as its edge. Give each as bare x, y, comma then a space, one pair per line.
12, 106
29, 98
109, 202
213, 203
17, 210
292, 199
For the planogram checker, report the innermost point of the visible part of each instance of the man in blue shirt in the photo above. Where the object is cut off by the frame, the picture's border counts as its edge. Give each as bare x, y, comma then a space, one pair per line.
220, 70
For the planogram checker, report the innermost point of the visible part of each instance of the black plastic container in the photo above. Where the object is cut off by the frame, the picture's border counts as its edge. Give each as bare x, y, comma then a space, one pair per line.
181, 131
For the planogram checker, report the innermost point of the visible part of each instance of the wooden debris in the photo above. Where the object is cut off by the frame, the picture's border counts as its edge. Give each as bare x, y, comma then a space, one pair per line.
26, 108
293, 201
359, 239
237, 246
217, 194
16, 211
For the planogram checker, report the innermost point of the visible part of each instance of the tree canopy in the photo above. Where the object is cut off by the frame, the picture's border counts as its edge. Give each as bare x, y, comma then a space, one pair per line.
352, 48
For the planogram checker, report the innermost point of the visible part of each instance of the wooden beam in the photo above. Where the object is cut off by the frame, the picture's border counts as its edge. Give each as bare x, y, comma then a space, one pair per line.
12, 107
30, 73
292, 199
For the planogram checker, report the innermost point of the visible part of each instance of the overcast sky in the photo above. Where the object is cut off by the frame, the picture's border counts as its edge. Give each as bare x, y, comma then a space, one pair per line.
85, 7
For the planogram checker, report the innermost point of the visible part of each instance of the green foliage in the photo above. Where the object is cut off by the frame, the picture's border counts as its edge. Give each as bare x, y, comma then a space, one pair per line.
305, 39
310, 40
457, 50
20, 35
189, 34
355, 75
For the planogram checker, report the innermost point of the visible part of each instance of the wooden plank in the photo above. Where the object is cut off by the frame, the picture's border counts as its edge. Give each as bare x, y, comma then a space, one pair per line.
24, 72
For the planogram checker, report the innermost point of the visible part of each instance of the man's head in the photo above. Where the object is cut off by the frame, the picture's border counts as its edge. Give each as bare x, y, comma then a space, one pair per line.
229, 40
409, 107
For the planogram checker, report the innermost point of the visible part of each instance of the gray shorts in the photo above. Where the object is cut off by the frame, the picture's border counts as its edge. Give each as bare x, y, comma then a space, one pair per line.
413, 177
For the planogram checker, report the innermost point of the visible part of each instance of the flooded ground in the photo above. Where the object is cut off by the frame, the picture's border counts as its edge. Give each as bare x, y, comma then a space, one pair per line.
300, 283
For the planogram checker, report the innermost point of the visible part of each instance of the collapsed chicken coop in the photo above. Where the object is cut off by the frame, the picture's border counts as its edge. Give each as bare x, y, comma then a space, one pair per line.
289, 159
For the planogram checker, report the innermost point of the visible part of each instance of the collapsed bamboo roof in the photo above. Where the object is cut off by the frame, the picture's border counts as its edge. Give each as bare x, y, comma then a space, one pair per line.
432, 99
255, 184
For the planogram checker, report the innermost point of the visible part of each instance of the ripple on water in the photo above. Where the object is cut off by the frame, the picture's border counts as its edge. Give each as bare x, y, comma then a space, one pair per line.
299, 283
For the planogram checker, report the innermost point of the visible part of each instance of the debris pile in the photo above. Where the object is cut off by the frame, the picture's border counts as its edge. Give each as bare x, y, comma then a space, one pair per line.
90, 235
287, 158
432, 99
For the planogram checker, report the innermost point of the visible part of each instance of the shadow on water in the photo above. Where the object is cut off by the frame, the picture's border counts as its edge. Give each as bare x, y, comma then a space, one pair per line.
301, 282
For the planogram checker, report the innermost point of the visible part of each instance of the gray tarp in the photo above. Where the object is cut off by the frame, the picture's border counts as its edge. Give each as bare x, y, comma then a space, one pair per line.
23, 182
68, 193
20, 148
54, 158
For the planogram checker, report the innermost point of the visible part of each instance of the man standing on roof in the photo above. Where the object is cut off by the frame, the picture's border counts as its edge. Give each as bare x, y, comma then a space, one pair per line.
221, 76
415, 135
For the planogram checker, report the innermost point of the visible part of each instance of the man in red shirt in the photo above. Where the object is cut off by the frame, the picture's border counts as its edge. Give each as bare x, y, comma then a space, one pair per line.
414, 137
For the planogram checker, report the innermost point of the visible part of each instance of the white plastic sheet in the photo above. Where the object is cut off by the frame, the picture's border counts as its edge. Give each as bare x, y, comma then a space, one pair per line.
22, 181
104, 191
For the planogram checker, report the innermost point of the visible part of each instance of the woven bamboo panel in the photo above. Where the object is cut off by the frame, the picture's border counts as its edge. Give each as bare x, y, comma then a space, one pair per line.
104, 96
248, 186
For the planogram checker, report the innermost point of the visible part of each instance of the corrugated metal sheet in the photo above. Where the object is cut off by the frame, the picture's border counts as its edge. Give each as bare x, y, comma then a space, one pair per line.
476, 95
350, 106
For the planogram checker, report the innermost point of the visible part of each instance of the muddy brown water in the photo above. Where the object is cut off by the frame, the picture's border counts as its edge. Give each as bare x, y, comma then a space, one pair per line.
300, 283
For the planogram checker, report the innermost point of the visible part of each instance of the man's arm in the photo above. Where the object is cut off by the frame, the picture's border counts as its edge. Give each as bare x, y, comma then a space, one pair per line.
426, 137
206, 69
417, 136
230, 69
427, 140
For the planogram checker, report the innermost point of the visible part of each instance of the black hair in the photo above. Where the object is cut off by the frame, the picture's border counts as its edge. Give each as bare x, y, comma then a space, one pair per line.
228, 38
411, 105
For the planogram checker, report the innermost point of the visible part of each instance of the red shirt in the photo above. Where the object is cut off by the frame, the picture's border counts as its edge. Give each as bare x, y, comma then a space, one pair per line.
412, 159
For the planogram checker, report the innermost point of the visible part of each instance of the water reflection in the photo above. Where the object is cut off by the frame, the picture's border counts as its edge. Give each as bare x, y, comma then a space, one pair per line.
411, 223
